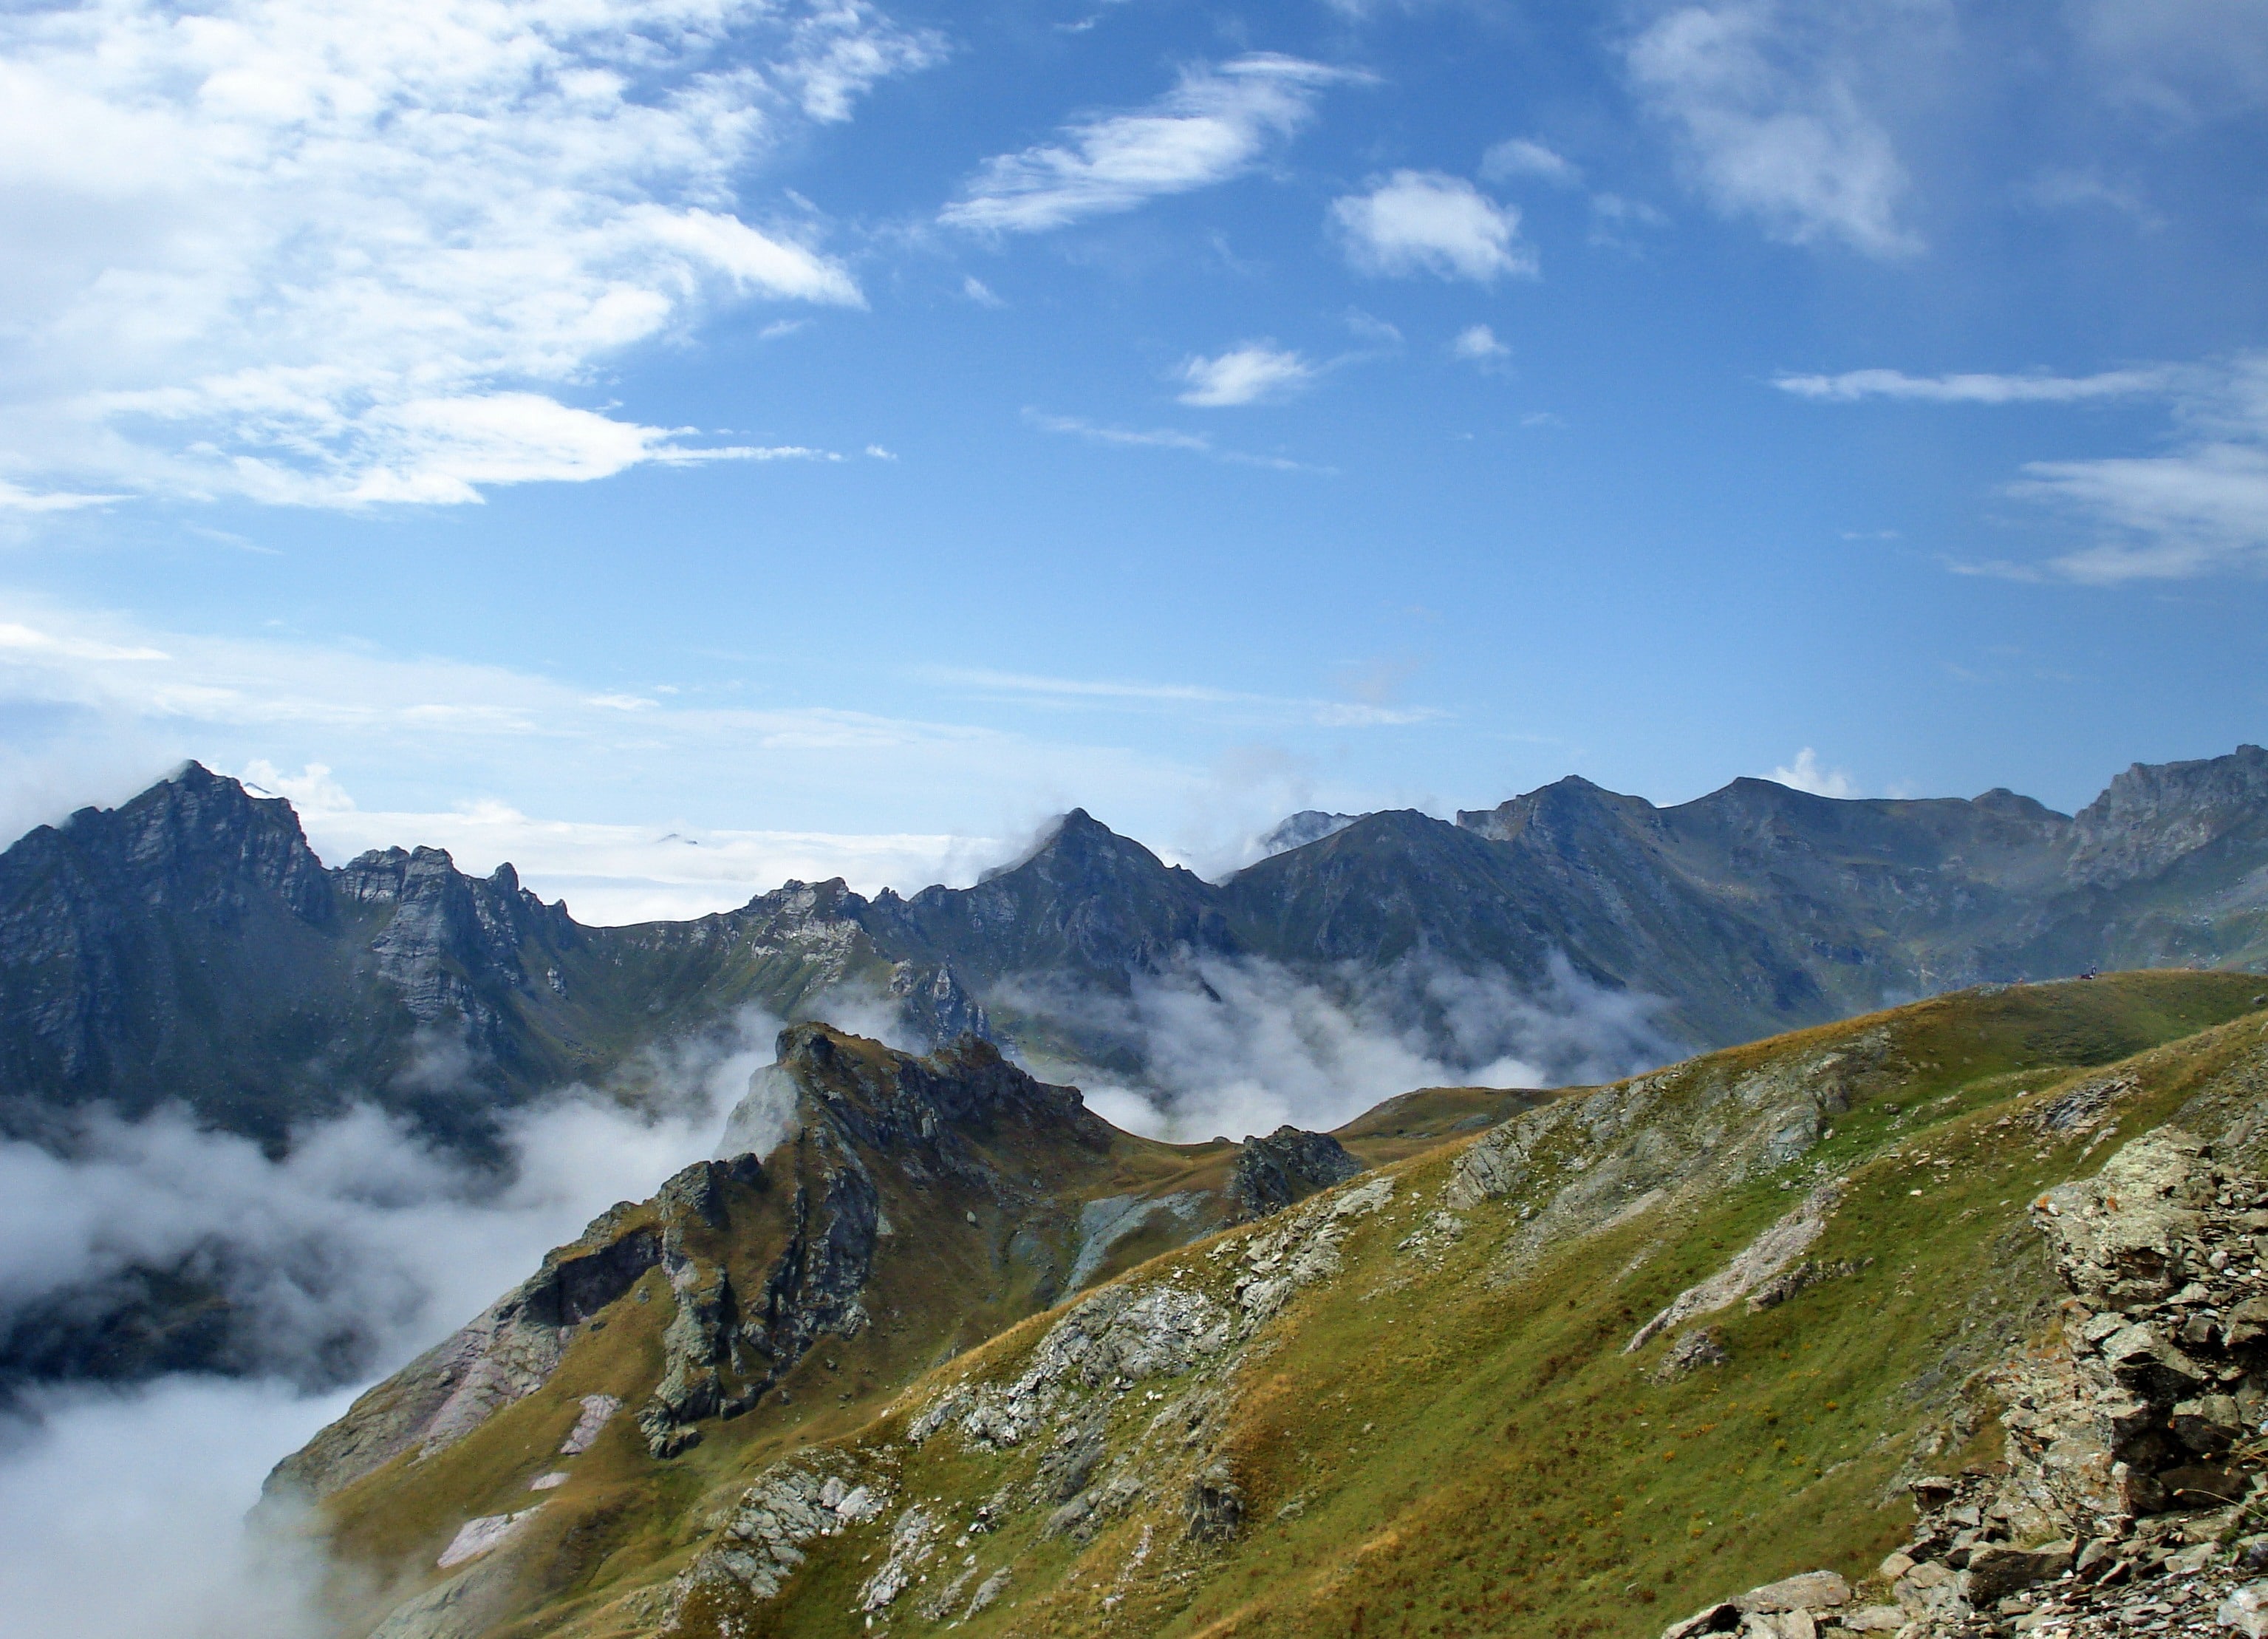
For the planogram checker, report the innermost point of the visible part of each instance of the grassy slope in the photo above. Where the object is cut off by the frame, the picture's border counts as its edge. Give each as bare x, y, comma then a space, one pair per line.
941, 1285
1456, 1443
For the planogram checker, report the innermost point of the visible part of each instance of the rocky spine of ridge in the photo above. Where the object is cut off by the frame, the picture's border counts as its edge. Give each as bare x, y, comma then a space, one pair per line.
2133, 1497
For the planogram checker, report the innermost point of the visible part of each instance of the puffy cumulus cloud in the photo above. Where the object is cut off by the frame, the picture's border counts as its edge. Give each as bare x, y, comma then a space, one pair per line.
1216, 123
1477, 344
1765, 101
1807, 773
1236, 1046
323, 255
1425, 222
1254, 372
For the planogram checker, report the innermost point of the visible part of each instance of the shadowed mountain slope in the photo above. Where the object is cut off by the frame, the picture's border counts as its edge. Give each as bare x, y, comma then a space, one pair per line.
189, 946
1629, 1348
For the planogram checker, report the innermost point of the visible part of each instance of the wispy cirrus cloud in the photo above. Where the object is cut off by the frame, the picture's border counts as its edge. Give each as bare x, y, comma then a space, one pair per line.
1767, 103
1181, 696
1521, 155
1218, 123
2198, 506
327, 256
1976, 387
1416, 222
1162, 437
99, 704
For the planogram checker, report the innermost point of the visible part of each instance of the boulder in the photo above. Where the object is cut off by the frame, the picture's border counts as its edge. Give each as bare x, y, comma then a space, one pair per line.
1997, 1569
1811, 1591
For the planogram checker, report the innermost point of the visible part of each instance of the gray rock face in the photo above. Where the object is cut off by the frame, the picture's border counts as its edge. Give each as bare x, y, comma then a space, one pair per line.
1287, 1166
512, 1349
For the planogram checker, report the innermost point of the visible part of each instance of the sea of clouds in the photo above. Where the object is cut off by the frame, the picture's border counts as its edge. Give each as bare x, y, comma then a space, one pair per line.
363, 1244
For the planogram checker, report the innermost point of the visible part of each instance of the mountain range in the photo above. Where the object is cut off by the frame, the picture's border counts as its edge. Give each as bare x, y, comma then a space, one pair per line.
188, 946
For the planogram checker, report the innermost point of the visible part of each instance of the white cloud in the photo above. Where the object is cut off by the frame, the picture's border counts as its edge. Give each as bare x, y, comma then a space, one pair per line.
1218, 122
2200, 507
1162, 438
15, 498
1806, 774
1425, 222
1254, 372
1975, 389
1256, 708
1235, 1047
978, 291
98, 705
1477, 344
2199, 510
2186, 60
324, 254
613, 875
1772, 124
1517, 156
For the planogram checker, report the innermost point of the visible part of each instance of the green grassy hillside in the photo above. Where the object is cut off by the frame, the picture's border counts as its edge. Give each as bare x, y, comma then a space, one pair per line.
1409, 1405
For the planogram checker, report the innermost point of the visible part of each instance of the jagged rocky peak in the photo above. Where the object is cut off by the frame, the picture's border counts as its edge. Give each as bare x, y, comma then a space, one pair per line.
1298, 829
197, 841
1558, 811
880, 1098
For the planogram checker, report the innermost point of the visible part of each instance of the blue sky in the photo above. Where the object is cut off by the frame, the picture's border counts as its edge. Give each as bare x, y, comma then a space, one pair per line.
677, 444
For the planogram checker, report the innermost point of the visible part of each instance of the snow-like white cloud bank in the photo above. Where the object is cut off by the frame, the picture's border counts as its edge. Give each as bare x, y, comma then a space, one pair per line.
322, 254
124, 1513
1236, 1045
363, 1243
614, 874
341, 1260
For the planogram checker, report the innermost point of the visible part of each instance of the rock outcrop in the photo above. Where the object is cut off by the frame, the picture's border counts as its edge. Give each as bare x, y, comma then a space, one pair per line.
2133, 1494
1287, 1166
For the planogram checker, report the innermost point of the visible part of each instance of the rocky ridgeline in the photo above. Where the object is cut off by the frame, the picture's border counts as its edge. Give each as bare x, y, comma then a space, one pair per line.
2133, 1497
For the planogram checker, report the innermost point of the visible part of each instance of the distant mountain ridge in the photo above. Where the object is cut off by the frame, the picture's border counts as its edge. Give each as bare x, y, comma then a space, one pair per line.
189, 945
